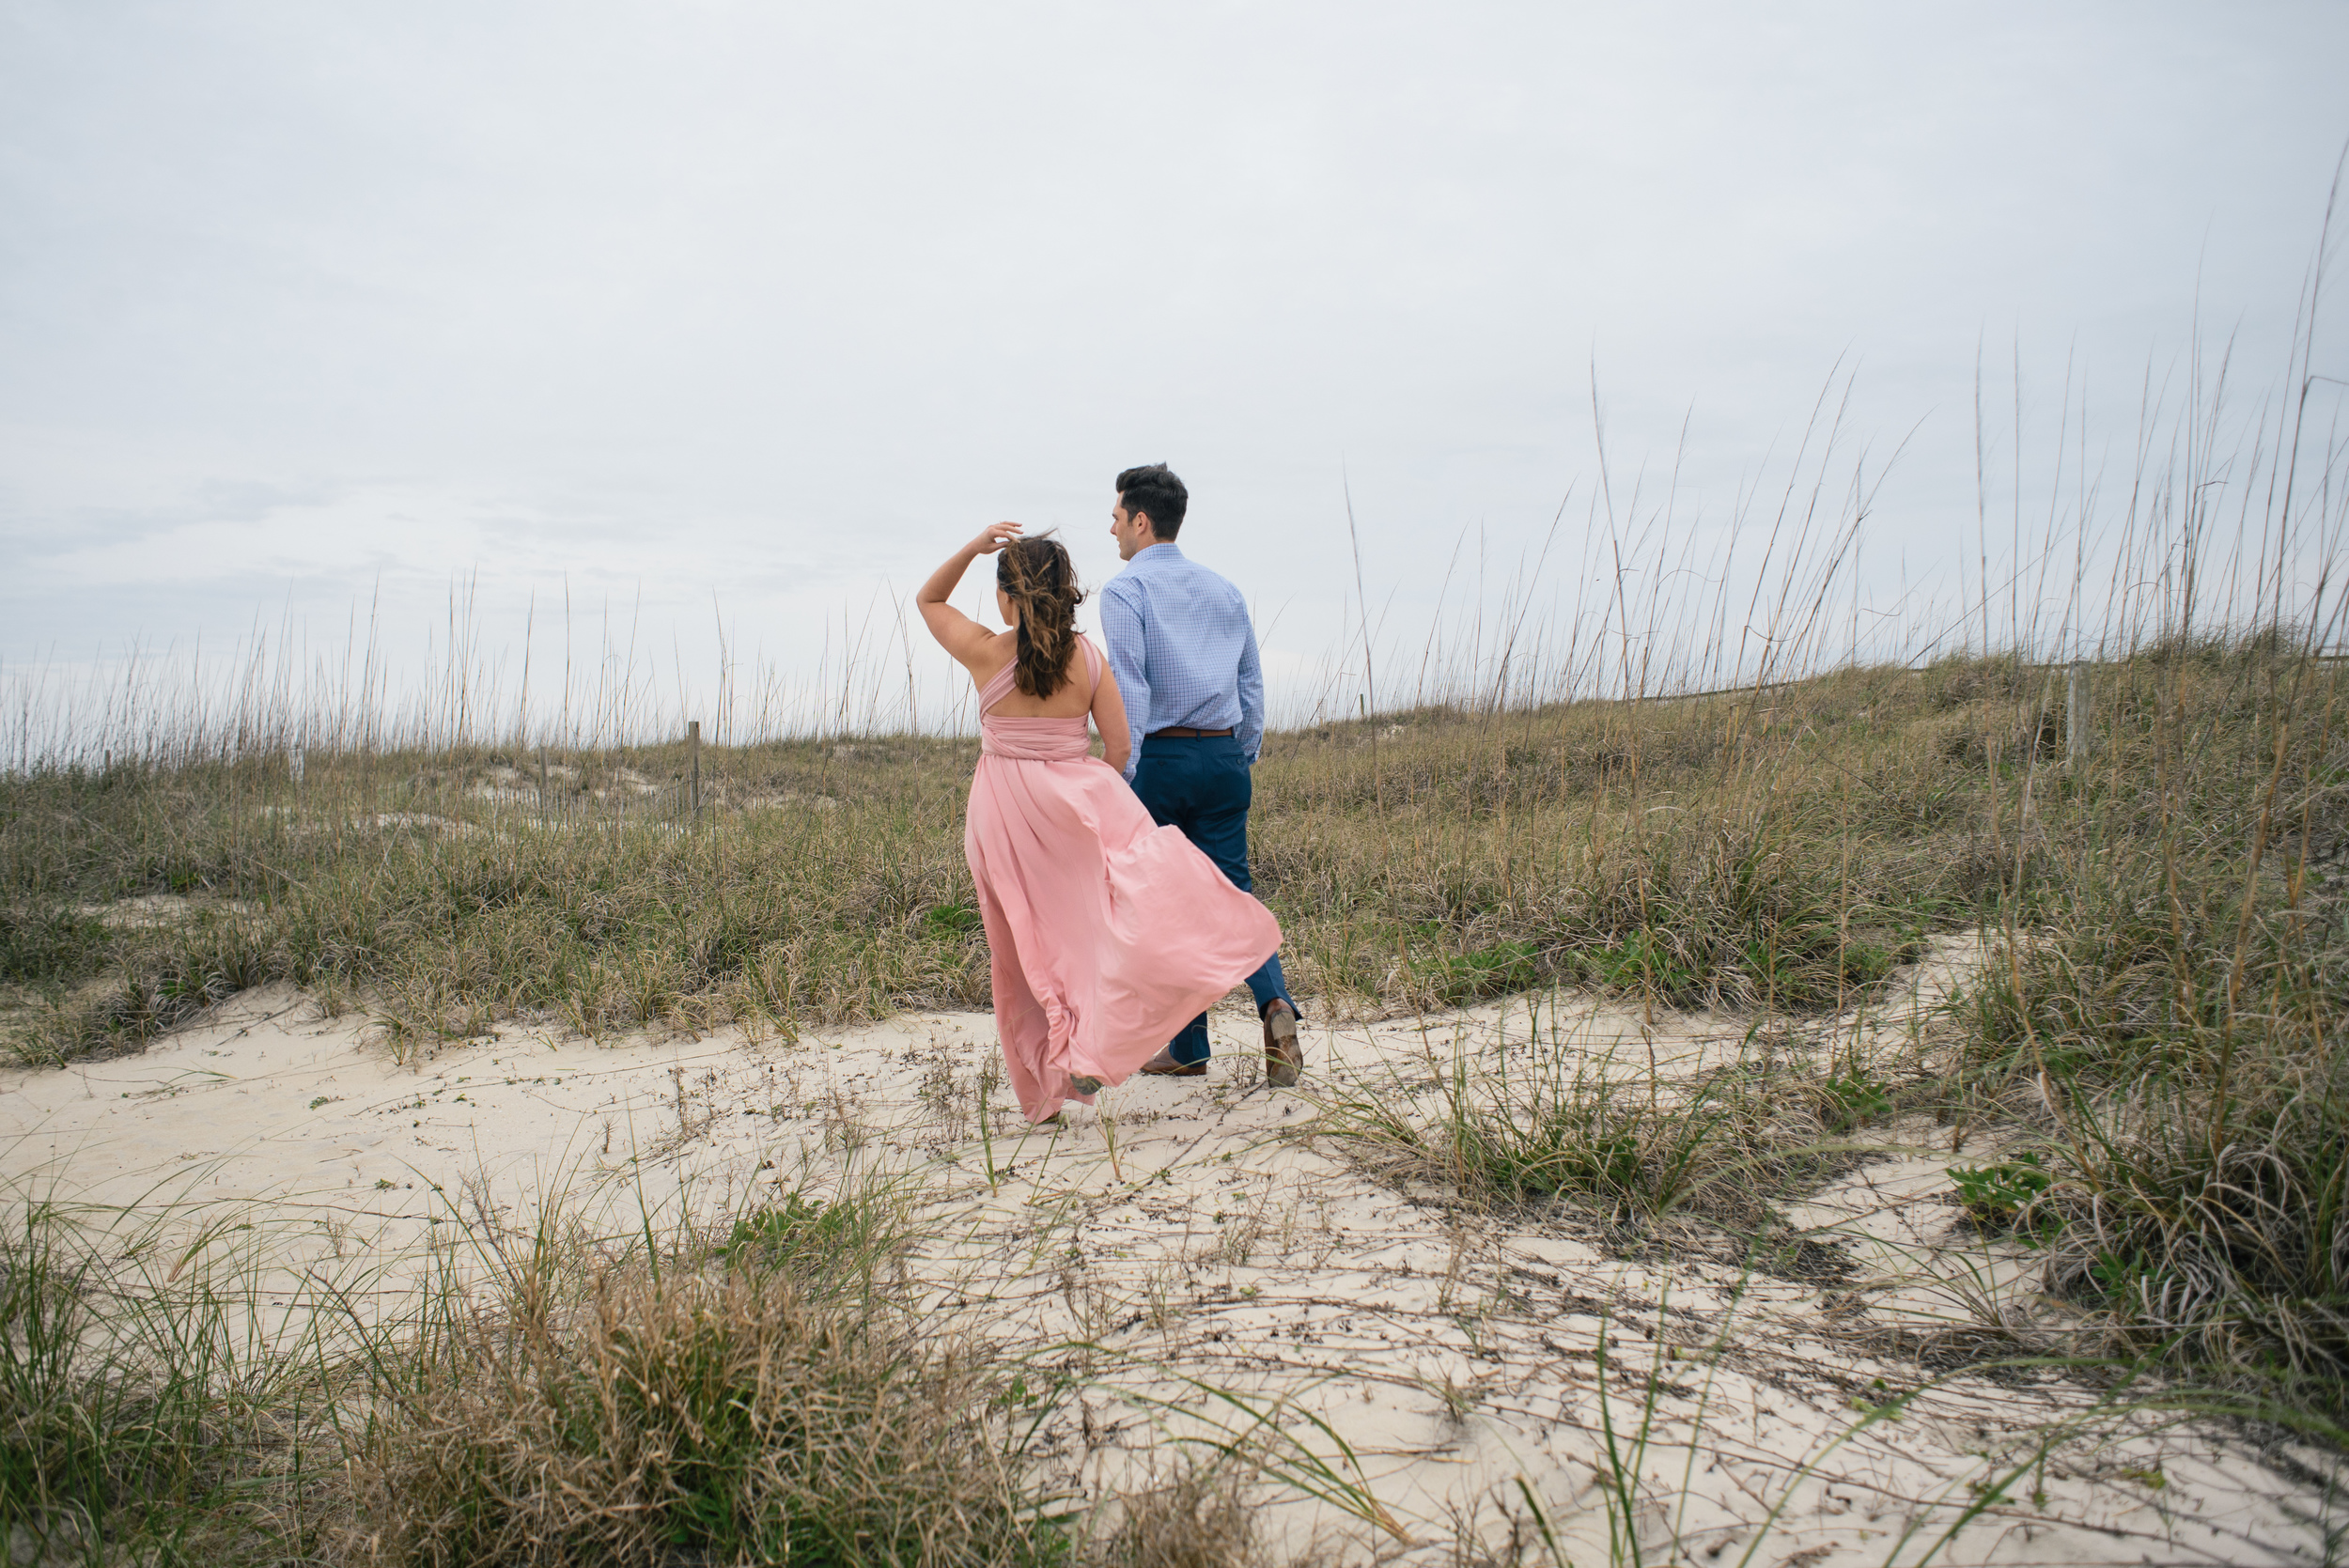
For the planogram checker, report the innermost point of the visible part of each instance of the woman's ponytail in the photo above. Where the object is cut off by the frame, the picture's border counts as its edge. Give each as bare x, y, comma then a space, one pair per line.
1037, 576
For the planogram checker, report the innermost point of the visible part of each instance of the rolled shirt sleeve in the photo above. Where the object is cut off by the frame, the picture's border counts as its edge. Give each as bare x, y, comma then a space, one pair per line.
1122, 630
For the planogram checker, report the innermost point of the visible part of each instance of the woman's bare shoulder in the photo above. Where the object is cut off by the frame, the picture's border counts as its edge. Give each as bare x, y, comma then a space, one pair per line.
1000, 649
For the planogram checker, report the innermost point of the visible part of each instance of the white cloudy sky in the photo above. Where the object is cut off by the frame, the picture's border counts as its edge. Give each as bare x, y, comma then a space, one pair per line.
766, 305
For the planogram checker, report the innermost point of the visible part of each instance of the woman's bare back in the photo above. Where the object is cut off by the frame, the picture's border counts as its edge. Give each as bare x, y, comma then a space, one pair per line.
1071, 699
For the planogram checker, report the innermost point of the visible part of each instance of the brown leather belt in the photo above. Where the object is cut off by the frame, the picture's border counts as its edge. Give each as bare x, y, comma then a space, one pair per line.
1182, 732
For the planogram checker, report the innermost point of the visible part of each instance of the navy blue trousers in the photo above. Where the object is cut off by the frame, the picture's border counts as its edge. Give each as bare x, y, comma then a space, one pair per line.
1202, 785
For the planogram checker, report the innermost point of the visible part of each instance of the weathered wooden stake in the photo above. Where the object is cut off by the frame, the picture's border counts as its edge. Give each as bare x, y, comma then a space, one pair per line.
2076, 715
694, 745
542, 780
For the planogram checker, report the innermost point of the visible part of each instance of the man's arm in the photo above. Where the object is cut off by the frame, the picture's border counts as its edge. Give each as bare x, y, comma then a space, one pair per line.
1250, 691
1122, 630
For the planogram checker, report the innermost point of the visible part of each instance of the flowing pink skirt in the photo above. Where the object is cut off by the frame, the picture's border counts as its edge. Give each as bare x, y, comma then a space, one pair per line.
1106, 933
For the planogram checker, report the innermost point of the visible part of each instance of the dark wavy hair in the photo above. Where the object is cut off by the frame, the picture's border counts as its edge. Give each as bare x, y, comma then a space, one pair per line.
1155, 492
1037, 576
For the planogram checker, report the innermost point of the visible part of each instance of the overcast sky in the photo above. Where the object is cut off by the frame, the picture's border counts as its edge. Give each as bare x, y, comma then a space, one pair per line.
768, 305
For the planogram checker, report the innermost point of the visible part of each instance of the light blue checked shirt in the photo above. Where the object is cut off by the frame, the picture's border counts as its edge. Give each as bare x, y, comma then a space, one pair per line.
1183, 650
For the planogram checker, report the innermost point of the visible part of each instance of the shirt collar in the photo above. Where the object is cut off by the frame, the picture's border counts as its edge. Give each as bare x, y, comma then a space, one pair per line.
1165, 548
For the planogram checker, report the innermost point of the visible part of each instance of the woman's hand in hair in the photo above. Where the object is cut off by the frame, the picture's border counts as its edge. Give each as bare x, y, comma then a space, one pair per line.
956, 632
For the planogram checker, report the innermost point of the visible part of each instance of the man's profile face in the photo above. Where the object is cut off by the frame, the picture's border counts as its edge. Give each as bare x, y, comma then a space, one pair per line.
1131, 529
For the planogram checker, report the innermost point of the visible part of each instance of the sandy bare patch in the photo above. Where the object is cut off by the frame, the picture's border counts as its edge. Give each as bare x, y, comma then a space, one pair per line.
152, 911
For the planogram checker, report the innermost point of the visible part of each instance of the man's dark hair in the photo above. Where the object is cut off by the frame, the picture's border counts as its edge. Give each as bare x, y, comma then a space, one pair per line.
1155, 492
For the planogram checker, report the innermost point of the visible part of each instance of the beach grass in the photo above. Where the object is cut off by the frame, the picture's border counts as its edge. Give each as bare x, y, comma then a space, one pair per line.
1781, 850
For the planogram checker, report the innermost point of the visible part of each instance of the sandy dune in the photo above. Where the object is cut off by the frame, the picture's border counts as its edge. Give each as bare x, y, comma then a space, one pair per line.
1192, 1235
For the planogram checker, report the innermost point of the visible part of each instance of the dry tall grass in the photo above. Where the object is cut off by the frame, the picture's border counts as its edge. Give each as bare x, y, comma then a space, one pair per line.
725, 1411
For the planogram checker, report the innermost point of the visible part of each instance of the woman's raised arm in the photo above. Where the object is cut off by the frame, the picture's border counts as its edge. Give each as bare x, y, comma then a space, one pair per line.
956, 632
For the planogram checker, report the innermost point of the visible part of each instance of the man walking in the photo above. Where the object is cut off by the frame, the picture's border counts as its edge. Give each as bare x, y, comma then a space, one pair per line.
1184, 652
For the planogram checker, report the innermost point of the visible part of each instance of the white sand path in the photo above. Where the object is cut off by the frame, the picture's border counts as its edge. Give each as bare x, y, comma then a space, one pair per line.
1460, 1356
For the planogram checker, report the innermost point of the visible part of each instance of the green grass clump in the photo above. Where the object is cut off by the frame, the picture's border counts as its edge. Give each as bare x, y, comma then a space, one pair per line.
51, 944
1550, 1122
121, 1405
846, 1244
1997, 1196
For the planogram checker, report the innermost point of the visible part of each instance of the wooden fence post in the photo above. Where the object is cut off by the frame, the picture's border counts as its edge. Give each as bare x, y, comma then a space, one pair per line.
694, 746
2076, 715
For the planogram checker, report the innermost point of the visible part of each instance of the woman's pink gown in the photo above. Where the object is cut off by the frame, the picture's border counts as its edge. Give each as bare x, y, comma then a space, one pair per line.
1106, 933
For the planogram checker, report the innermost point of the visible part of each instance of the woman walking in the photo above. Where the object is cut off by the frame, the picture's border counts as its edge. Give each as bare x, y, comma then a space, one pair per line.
1105, 933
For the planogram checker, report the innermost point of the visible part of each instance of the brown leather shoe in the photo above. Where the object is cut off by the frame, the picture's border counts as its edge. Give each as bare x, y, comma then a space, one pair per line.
1164, 1065
1284, 1052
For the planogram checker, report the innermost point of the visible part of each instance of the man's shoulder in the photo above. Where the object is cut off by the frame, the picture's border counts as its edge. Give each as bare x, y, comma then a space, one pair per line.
1205, 582
1126, 588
